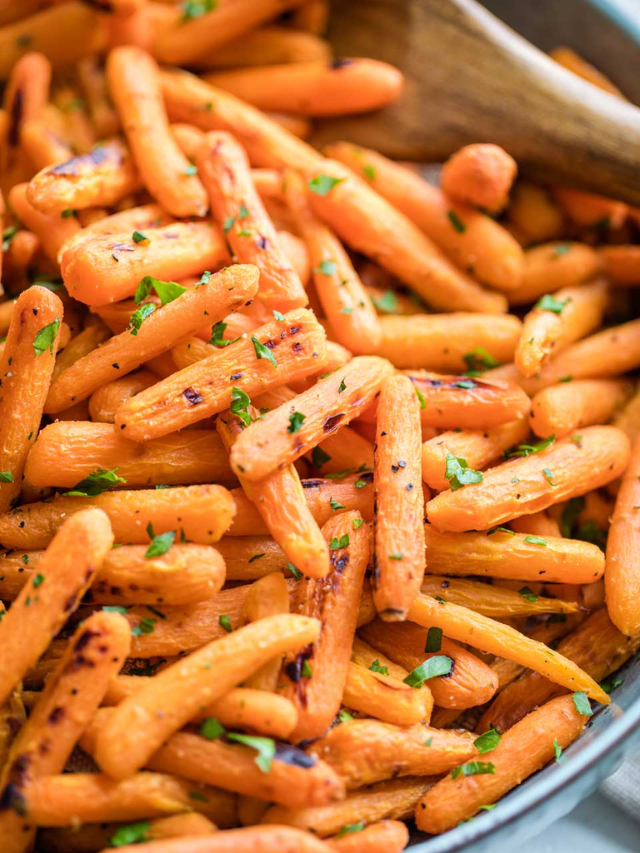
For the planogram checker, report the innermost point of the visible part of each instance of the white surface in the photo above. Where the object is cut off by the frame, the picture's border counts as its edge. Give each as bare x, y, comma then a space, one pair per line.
595, 826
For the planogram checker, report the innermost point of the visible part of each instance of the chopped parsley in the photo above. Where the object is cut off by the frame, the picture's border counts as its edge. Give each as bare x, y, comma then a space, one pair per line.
342, 542
457, 223
550, 303
583, 706
549, 476
160, 544
342, 387
133, 833
325, 268
139, 316
478, 360
357, 523
528, 449
377, 667
323, 184
557, 749
350, 828
138, 236
459, 474
296, 419
434, 640
96, 483
191, 170
336, 505
536, 540
211, 729
431, 668
527, 593
262, 351
387, 303
488, 741
473, 768
264, 746
307, 672
46, 337
216, 336
225, 622
278, 316
319, 457
295, 572
240, 403
6, 477
166, 290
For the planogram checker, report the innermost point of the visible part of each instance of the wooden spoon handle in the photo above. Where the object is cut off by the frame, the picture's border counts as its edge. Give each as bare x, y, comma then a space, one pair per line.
472, 79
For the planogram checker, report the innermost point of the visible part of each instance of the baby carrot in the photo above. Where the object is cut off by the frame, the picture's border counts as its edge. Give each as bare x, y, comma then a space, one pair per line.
525, 748
481, 175
472, 240
462, 624
491, 600
470, 682
180, 690
369, 224
89, 339
134, 86
533, 213
385, 697
587, 209
440, 341
266, 839
154, 333
320, 88
622, 578
109, 267
558, 320
537, 524
551, 266
628, 419
238, 210
42, 146
105, 401
561, 409
279, 351
316, 676
621, 264
268, 45
26, 93
125, 221
97, 179
351, 315
52, 230
385, 836
27, 362
267, 596
565, 469
399, 561
202, 512
41, 609
480, 448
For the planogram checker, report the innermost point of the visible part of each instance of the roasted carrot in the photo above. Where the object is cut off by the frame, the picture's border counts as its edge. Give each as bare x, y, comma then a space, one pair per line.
109, 267
557, 321
89, 339
534, 213
268, 45
621, 264
309, 88
622, 578
369, 224
52, 230
628, 419
481, 175
316, 676
399, 560
105, 401
552, 266
129, 220
385, 836
93, 81
280, 500
500, 639
525, 748
351, 315
491, 600
42, 146
565, 469
203, 512
154, 334
266, 839
75, 689
277, 352
538, 524
587, 209
470, 681
440, 341
120, 749
471, 239
385, 697
561, 409
267, 596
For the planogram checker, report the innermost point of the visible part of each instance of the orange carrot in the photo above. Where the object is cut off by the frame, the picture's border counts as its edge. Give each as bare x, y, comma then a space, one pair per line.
104, 402
41, 145
568, 468
538, 524
561, 409
587, 209
534, 213
621, 264
481, 175
385, 697
552, 266
129, 220
52, 231
385, 836
265, 839
267, 45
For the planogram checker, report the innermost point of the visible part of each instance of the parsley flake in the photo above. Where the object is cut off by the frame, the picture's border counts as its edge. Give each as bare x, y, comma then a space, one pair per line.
432, 668
323, 184
96, 483
296, 419
262, 351
459, 474
46, 337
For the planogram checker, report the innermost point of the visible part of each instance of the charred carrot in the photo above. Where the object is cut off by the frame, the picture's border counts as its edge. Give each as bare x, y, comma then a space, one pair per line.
534, 214
492, 600
267, 596
562, 409
385, 697
125, 221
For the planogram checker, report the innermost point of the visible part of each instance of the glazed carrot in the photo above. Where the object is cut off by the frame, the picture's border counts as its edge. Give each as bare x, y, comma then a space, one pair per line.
534, 213
309, 88
566, 469
316, 676
492, 600
366, 751
249, 558
522, 750
622, 578
472, 240
94, 85
501, 555
552, 266
561, 409
125, 221
296, 251
395, 800
57, 800
26, 93
346, 449
587, 209
237, 208
596, 646
65, 573
628, 419
621, 264
27, 362
575, 63
132, 76
154, 334
500, 639
479, 174
480, 448
52, 230
268, 144
203, 512
370, 225
470, 682
350, 313
108, 268
399, 560
72, 694
104, 402
386, 836
81, 344
538, 524
336, 357
440, 341
558, 320
251, 365
42, 147
191, 39
181, 689
269, 45
267, 596
286, 433
385, 697
265, 839
100, 178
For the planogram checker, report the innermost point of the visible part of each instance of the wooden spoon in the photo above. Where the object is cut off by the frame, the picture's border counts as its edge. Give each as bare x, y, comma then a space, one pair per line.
470, 78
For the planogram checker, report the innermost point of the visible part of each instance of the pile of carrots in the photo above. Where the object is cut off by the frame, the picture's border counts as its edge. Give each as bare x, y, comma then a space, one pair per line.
319, 484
